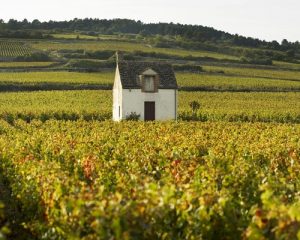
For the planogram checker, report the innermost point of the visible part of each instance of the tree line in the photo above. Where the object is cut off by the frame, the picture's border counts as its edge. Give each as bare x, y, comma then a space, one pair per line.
195, 33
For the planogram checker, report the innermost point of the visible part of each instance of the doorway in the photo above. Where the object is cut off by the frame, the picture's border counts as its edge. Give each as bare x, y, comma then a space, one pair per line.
149, 114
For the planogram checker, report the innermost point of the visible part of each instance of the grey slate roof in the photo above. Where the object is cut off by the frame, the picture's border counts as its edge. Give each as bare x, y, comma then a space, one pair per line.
131, 70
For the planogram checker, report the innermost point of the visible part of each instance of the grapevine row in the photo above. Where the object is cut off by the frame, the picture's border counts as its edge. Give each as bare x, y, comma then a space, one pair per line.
13, 49
155, 180
96, 105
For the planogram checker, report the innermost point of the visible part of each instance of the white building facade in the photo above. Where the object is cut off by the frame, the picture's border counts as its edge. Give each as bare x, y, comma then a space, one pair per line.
146, 89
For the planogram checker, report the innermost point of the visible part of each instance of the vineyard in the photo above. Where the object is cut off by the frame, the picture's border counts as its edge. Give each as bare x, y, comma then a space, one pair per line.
293, 66
187, 81
24, 64
57, 77
235, 83
228, 170
9, 49
122, 46
154, 180
96, 105
256, 73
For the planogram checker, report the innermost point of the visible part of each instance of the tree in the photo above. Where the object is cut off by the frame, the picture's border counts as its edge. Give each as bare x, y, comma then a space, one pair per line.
274, 45
290, 53
12, 24
2, 24
36, 24
284, 42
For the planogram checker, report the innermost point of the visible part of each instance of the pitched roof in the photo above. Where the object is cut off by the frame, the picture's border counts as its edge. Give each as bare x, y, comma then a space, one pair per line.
131, 70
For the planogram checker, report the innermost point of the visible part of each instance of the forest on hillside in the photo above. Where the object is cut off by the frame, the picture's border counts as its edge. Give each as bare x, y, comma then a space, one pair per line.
162, 35
102, 26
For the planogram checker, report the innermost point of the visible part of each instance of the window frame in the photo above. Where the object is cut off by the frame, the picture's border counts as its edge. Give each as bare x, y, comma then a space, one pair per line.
155, 80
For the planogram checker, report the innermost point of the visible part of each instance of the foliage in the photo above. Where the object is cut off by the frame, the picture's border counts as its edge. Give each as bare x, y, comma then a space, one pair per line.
287, 65
232, 79
188, 32
161, 39
128, 46
4, 231
154, 180
188, 68
276, 217
223, 82
168, 54
104, 55
76, 175
1, 221
256, 72
195, 106
25, 64
133, 116
91, 66
258, 60
24, 34
104, 78
96, 105
244, 107
34, 57
60, 105
72, 36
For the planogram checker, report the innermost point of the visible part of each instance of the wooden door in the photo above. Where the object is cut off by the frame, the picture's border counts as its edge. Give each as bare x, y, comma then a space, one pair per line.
149, 114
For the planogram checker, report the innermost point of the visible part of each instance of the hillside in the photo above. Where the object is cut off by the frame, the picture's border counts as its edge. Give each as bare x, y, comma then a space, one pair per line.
163, 35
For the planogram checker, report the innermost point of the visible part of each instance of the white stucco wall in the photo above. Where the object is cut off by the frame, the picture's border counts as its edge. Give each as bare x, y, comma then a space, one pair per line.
117, 97
165, 103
